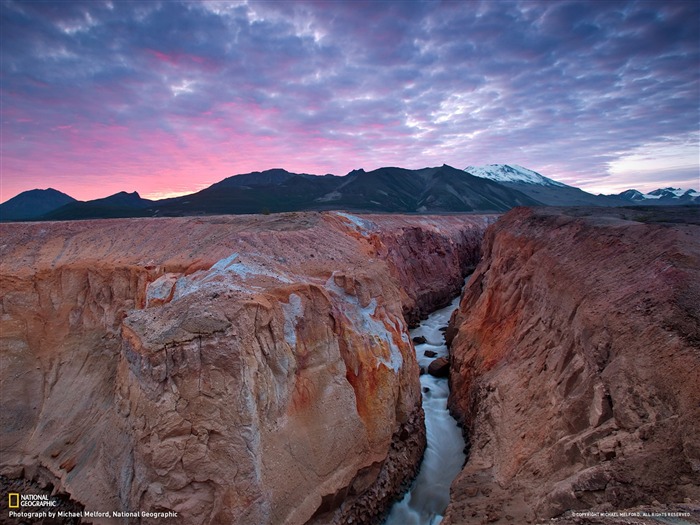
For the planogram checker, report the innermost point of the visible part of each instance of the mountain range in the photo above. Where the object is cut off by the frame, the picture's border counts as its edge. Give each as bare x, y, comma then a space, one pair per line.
553, 193
444, 189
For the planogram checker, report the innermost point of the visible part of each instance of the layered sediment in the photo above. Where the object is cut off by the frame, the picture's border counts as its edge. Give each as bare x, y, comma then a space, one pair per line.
249, 369
575, 368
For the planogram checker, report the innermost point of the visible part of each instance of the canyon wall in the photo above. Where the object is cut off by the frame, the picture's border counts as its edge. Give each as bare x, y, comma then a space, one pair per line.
250, 369
575, 370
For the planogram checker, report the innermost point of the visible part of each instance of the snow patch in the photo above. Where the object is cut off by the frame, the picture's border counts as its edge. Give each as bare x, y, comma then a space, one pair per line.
161, 288
512, 173
246, 269
332, 196
224, 274
233, 265
221, 265
671, 193
363, 226
364, 321
293, 311
190, 284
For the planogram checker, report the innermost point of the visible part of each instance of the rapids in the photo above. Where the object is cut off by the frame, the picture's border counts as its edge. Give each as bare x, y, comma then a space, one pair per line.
426, 501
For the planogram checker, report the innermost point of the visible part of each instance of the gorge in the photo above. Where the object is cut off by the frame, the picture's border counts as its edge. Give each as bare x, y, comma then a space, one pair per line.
259, 369
231, 369
426, 501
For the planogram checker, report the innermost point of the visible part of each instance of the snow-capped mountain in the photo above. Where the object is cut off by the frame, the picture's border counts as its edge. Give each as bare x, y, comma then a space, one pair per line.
662, 196
671, 193
511, 173
554, 193
631, 195
537, 186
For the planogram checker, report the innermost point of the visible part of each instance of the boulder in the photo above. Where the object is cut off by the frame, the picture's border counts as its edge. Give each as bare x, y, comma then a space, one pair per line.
440, 367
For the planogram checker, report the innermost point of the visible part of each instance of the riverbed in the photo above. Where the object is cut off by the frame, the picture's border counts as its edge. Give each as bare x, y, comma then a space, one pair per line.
444, 456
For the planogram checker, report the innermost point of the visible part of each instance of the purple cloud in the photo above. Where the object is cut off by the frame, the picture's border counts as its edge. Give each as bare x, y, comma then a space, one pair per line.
167, 97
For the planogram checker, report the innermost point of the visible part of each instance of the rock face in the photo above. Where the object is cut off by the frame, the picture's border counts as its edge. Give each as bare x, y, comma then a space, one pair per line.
576, 367
429, 259
231, 369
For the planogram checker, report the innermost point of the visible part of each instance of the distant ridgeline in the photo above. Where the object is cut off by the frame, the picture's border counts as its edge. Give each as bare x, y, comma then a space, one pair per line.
444, 189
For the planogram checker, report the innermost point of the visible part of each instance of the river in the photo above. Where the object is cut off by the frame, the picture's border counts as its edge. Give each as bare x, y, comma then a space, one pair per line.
444, 456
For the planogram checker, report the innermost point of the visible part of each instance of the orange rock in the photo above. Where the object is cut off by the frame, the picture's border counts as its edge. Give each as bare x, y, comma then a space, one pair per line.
252, 369
575, 365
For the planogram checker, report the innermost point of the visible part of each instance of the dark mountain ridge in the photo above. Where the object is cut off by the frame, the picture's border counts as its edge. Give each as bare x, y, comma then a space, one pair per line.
119, 205
389, 190
32, 204
440, 189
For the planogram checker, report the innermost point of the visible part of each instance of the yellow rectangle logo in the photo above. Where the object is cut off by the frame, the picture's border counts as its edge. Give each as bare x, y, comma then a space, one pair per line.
13, 500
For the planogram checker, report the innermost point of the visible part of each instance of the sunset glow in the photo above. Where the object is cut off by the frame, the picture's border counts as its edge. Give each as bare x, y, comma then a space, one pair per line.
166, 98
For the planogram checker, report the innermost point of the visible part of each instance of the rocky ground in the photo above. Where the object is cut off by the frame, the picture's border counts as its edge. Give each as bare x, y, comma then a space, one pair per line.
252, 369
575, 369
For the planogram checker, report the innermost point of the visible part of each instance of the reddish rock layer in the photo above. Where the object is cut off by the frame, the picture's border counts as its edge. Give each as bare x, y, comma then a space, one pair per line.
576, 367
430, 282
233, 369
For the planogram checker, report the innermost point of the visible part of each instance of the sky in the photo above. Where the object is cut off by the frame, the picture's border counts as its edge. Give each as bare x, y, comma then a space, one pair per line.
166, 98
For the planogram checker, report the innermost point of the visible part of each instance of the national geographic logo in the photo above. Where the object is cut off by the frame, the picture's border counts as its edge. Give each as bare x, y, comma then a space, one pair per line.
15, 500
41, 507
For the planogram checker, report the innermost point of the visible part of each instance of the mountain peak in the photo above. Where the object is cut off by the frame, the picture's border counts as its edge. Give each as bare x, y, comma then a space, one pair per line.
33, 203
133, 194
662, 196
511, 173
661, 192
632, 195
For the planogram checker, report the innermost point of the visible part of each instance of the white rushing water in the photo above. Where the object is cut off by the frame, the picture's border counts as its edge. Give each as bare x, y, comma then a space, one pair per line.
444, 456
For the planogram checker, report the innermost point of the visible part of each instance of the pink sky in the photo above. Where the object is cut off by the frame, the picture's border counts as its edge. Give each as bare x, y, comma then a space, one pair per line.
166, 99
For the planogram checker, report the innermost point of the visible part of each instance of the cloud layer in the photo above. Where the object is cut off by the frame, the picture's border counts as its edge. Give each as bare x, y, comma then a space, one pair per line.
169, 97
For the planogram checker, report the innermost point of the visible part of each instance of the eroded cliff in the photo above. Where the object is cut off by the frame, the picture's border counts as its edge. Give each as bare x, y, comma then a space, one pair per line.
576, 368
232, 369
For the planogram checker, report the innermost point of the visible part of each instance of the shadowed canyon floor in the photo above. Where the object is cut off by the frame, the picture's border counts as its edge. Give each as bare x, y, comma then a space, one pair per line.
249, 369
576, 369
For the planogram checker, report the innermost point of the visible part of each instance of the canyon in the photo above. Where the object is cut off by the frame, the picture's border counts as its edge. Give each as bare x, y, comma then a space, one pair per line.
575, 369
259, 369
232, 369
